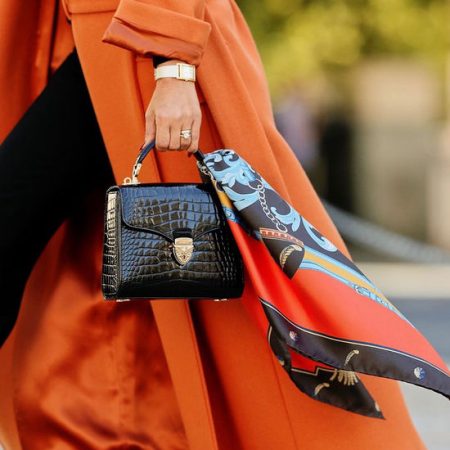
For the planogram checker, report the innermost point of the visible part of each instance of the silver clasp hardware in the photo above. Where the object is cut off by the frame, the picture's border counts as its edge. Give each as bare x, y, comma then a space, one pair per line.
204, 170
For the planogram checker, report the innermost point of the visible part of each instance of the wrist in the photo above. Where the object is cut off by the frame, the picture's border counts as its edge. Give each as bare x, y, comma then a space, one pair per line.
172, 82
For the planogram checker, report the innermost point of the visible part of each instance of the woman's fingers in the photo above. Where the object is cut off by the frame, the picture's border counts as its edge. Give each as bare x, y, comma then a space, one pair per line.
176, 141
150, 128
186, 135
162, 133
193, 147
176, 112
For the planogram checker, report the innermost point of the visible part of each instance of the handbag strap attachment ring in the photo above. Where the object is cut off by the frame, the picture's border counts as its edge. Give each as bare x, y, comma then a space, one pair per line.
143, 152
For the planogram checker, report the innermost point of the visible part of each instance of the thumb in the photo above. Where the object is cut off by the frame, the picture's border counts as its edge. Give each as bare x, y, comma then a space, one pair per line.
150, 128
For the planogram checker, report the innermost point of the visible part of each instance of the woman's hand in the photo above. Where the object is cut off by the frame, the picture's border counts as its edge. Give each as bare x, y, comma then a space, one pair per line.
174, 107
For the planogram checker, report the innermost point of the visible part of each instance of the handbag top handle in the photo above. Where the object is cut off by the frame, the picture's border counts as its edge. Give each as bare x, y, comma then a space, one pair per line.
143, 152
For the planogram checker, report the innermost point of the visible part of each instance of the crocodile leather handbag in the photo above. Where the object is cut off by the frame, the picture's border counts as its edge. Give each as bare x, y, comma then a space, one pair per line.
168, 241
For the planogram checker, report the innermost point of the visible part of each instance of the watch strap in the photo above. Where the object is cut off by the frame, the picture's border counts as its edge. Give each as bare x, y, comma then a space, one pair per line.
179, 71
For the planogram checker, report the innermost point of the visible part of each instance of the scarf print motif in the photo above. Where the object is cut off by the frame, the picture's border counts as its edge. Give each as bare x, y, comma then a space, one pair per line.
324, 319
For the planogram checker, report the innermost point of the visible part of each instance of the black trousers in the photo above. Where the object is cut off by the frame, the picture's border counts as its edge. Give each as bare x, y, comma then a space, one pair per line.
50, 161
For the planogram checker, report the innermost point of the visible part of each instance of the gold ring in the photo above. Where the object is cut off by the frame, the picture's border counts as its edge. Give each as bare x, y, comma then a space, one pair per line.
186, 134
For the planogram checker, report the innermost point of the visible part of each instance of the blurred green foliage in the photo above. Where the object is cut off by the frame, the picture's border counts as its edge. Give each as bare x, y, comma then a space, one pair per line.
302, 38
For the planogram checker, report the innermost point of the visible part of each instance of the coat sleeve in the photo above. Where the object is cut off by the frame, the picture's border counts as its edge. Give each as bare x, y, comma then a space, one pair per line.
171, 28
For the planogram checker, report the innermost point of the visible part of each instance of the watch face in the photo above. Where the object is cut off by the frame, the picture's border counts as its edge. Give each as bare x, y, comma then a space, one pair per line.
186, 72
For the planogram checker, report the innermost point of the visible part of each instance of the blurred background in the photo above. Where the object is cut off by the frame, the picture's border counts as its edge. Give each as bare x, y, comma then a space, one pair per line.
361, 91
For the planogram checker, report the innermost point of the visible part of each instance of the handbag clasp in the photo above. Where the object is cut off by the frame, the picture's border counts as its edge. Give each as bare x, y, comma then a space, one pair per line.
182, 248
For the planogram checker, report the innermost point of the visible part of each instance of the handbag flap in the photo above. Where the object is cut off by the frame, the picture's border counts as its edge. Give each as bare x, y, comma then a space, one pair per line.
165, 209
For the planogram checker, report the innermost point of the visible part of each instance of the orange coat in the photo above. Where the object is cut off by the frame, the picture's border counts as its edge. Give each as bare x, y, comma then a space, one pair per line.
80, 373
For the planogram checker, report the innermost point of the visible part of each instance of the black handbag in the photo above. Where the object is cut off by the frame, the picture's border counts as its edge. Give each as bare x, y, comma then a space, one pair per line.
167, 241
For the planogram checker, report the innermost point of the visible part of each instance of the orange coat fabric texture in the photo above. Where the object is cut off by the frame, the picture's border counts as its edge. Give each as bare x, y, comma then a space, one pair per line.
80, 373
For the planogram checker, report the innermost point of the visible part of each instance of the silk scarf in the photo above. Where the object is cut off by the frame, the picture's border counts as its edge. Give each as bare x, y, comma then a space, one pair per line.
325, 321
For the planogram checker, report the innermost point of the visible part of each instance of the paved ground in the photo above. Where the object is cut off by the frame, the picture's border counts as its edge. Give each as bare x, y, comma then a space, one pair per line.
430, 411
422, 293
